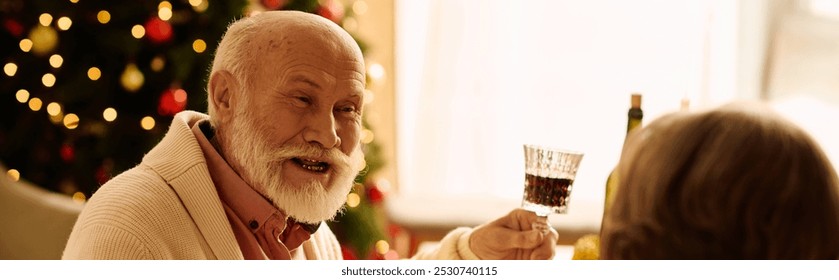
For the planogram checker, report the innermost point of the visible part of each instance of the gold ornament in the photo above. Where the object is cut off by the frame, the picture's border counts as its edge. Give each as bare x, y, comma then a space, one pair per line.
132, 79
44, 39
587, 248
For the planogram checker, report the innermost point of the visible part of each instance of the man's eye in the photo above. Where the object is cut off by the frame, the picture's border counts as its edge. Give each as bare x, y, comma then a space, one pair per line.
303, 101
347, 109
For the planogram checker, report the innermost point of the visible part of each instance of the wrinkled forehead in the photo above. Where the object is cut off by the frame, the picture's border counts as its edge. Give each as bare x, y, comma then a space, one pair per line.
286, 46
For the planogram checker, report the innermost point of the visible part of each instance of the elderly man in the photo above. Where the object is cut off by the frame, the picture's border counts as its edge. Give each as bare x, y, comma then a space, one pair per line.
275, 157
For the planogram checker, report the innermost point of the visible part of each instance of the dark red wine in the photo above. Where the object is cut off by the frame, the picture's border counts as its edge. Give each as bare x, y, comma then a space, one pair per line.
546, 191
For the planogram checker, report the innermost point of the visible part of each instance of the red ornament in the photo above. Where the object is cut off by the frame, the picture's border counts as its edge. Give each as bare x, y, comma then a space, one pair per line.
394, 230
348, 253
158, 30
14, 27
374, 194
273, 4
172, 101
68, 153
103, 173
332, 10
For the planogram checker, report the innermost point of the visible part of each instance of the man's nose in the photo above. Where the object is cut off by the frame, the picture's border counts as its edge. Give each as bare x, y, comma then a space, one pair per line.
321, 131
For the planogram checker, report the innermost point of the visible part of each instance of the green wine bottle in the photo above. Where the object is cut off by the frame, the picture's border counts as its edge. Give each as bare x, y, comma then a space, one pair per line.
587, 247
635, 117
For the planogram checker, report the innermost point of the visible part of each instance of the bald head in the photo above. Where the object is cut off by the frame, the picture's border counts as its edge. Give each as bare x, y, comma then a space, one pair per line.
272, 37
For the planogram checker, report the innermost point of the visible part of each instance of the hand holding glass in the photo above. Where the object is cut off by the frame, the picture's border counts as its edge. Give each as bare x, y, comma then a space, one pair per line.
549, 176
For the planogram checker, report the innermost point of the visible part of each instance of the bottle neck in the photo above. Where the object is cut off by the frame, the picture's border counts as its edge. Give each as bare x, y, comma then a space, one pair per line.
636, 116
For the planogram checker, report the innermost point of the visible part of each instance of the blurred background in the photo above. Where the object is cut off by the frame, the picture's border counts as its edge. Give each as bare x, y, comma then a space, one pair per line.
455, 88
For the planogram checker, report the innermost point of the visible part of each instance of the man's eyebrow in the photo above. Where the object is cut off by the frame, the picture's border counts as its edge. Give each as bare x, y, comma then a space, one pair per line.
305, 80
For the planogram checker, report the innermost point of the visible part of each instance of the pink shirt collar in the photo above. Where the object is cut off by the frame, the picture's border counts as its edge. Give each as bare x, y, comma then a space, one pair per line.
262, 231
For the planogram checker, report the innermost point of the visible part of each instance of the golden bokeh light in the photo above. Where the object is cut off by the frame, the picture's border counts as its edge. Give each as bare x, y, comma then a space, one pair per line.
74, 1
22, 96
199, 46
382, 247
147, 123
377, 71
367, 136
48, 79
10, 69
199, 5
103, 16
164, 13
35, 104
353, 200
79, 197
13, 174
53, 109
56, 61
71, 121
164, 5
64, 23
45, 19
25, 45
359, 7
94, 73
138, 31
109, 114
157, 63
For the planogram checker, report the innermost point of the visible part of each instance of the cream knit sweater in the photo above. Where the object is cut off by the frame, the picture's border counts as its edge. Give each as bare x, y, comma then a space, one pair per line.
167, 208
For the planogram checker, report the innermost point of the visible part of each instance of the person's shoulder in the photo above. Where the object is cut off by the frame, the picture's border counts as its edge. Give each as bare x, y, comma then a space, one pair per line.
136, 193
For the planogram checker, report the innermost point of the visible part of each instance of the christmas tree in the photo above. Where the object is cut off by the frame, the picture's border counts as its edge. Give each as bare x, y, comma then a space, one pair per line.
91, 86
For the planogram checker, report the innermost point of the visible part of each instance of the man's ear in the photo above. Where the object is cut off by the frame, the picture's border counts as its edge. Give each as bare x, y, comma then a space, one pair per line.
223, 89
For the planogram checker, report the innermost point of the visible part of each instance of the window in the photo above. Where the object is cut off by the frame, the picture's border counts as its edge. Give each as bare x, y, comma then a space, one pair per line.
478, 79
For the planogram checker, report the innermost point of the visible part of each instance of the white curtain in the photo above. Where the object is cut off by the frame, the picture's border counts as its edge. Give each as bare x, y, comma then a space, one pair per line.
478, 79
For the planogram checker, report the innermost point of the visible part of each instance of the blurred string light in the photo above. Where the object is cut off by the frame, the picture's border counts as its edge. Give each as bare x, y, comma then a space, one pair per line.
103, 16
164, 10
79, 197
13, 174
157, 63
48, 80
45, 19
147, 123
382, 247
10, 69
64, 23
199, 46
110, 114
199, 5
71, 121
377, 71
353, 200
138, 31
22, 96
94, 73
367, 136
359, 7
53, 109
56, 61
74, 1
25, 45
35, 104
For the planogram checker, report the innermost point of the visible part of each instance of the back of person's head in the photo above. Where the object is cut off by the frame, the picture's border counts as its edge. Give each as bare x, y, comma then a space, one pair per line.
736, 182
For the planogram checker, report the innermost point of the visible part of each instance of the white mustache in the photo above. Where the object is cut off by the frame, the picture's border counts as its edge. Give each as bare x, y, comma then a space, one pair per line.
333, 156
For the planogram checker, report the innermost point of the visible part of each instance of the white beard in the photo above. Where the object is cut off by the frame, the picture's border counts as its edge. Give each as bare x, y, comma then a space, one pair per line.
308, 202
